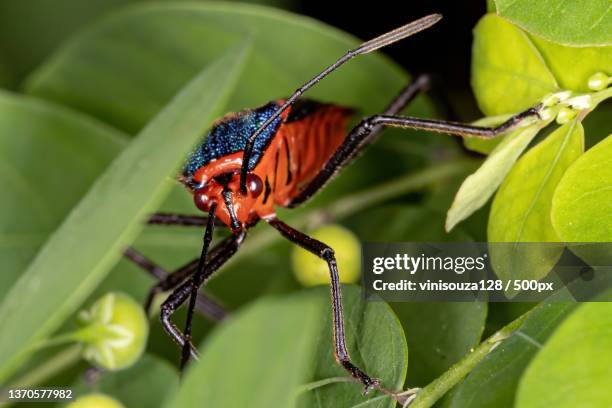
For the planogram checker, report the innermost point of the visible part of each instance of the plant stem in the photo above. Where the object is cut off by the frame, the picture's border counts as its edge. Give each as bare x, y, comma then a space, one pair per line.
440, 386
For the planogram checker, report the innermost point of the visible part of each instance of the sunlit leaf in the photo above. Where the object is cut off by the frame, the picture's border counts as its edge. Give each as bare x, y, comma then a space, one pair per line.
521, 208
573, 368
582, 202
572, 66
585, 22
508, 73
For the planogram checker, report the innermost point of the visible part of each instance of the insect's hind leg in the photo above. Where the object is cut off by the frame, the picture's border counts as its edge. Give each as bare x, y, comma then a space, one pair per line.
167, 281
326, 253
369, 129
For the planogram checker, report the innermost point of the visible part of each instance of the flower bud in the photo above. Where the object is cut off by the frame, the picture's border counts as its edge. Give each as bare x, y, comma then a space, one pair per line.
310, 270
115, 332
598, 81
565, 115
95, 401
546, 114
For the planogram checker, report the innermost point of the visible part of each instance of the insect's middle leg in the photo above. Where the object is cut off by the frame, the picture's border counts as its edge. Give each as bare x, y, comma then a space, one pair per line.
219, 255
326, 253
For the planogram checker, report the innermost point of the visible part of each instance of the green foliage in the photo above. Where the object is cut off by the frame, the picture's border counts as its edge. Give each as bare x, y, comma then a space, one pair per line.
572, 66
283, 367
527, 71
451, 330
573, 368
520, 211
481, 185
261, 376
582, 202
508, 73
35, 138
124, 194
578, 23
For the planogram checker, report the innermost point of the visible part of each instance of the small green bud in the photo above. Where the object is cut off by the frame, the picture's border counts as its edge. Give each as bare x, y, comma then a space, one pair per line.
311, 270
599, 81
95, 401
546, 114
115, 332
550, 100
565, 115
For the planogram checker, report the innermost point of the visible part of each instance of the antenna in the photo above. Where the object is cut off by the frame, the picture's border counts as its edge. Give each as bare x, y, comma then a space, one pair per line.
365, 48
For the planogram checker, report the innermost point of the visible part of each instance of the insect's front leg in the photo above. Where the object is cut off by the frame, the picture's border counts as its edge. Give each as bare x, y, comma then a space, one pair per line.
219, 255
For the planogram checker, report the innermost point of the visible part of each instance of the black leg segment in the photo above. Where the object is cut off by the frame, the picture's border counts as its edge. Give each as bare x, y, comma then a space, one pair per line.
194, 289
369, 129
221, 254
326, 253
204, 304
177, 219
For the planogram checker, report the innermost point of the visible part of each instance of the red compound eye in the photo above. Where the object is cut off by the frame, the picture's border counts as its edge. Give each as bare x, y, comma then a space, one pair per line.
202, 201
254, 185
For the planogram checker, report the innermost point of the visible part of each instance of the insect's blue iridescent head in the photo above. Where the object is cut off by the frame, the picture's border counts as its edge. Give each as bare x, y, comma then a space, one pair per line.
229, 135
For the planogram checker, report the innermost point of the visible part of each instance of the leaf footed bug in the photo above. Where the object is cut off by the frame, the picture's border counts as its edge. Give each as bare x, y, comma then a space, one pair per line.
279, 155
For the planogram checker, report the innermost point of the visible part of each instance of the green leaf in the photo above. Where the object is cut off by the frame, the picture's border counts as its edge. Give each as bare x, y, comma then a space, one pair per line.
110, 215
494, 381
44, 150
572, 66
480, 186
256, 359
582, 202
145, 384
294, 349
579, 23
573, 369
451, 330
508, 73
376, 342
107, 70
521, 208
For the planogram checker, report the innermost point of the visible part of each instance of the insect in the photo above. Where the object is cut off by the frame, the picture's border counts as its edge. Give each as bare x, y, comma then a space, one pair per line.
279, 155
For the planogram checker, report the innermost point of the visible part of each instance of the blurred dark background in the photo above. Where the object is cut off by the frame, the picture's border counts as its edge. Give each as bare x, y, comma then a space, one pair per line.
31, 30
444, 50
